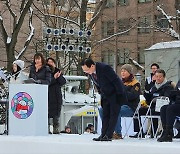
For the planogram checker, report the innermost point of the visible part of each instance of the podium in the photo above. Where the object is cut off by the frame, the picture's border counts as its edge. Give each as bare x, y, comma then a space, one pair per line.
28, 109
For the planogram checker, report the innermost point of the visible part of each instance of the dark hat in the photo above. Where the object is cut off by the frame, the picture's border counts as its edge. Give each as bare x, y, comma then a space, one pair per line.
128, 68
90, 125
66, 127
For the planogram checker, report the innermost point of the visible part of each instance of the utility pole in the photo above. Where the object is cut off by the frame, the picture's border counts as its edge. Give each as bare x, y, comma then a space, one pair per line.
116, 38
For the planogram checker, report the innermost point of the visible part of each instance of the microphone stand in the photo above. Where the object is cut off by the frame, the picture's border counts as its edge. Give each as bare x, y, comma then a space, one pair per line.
5, 102
94, 104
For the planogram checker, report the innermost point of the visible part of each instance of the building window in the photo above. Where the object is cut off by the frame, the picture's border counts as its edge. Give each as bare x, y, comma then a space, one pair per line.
144, 24
107, 28
141, 56
123, 56
123, 25
123, 2
108, 57
110, 3
161, 21
144, 1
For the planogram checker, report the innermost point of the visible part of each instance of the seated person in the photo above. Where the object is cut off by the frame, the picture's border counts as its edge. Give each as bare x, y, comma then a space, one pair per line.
87, 130
92, 128
132, 87
168, 114
67, 130
150, 80
162, 87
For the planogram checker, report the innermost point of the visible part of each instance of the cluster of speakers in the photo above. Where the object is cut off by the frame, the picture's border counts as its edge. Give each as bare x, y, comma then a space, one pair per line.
67, 39
67, 31
64, 47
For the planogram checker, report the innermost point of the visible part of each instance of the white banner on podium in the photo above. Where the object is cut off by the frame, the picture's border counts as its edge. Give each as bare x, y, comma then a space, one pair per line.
28, 109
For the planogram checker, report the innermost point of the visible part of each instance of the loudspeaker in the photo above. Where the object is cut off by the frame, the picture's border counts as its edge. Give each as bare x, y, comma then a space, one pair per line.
49, 47
80, 48
63, 31
63, 47
56, 47
71, 47
88, 49
48, 30
88, 33
56, 32
80, 33
71, 31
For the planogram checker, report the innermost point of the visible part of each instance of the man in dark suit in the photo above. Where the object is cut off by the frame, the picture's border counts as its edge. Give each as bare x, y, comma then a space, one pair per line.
112, 92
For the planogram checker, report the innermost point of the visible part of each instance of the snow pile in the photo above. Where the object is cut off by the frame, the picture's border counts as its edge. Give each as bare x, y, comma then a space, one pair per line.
83, 144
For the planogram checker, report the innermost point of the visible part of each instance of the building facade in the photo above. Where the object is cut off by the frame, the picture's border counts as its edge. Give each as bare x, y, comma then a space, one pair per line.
135, 25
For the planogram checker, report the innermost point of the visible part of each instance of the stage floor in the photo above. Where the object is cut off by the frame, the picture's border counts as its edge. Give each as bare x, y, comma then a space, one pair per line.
83, 144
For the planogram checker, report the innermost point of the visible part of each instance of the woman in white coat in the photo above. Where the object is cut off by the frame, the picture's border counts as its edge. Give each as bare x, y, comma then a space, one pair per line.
18, 75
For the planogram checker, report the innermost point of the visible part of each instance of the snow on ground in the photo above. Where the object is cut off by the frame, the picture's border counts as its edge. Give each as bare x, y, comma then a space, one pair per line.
83, 144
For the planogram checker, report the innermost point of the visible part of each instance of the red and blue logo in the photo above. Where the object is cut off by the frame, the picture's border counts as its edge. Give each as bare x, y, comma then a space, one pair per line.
22, 105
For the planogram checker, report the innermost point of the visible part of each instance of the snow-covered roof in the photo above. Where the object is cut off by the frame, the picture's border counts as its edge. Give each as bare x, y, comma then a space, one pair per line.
165, 45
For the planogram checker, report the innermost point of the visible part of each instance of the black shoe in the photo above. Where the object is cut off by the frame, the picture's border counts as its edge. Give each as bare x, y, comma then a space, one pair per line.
98, 138
165, 138
106, 138
138, 135
177, 136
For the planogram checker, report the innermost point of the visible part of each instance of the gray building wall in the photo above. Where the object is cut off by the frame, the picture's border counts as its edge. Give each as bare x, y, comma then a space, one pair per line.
168, 58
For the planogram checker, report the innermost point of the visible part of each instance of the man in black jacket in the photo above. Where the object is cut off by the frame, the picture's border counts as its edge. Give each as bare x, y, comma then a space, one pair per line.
162, 87
168, 114
150, 80
112, 92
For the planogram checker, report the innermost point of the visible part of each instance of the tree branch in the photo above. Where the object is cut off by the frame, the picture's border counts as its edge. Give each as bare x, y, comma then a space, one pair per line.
120, 33
98, 10
64, 18
3, 31
11, 12
171, 30
30, 35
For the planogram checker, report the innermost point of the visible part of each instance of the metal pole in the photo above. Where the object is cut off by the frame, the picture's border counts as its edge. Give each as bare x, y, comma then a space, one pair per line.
116, 38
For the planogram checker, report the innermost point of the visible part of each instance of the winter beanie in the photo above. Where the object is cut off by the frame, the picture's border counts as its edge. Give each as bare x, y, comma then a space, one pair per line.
128, 68
20, 63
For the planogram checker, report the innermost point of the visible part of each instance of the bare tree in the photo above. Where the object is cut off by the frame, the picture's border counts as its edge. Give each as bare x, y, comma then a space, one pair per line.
70, 13
49, 15
169, 18
18, 11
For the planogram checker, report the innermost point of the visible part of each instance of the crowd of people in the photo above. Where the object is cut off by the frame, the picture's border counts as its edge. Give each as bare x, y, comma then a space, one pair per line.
44, 71
120, 96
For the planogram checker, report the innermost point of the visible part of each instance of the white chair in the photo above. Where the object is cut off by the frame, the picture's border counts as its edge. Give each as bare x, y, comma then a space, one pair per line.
160, 101
176, 126
129, 125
